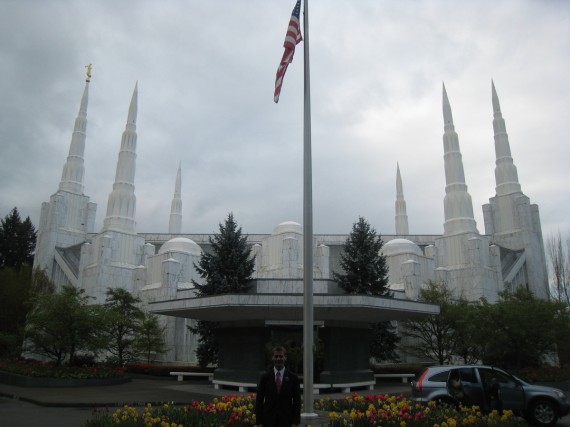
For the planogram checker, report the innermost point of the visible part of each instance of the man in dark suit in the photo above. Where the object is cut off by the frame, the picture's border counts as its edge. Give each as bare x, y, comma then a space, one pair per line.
278, 400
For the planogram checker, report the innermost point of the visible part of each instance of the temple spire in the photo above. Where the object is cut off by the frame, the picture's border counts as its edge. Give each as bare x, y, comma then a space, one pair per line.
402, 228
133, 107
175, 224
506, 176
74, 169
121, 206
458, 207
447, 116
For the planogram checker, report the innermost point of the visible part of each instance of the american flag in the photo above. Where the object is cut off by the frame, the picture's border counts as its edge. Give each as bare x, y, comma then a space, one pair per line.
292, 39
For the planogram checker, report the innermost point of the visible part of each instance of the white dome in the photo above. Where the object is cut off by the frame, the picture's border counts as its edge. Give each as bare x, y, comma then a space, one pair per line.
288, 227
400, 246
181, 244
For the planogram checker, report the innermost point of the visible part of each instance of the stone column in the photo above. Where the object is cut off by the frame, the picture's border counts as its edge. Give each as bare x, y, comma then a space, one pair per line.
347, 354
241, 356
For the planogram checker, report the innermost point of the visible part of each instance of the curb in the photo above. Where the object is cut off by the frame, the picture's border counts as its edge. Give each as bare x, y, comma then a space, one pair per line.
87, 405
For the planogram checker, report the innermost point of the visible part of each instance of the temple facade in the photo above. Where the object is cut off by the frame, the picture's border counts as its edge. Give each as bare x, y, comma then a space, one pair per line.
160, 266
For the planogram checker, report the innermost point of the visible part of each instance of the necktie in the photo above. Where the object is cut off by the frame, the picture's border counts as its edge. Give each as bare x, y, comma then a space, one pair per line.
278, 380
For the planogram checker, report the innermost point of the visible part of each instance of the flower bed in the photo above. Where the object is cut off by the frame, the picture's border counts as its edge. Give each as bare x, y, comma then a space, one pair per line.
353, 411
234, 410
389, 410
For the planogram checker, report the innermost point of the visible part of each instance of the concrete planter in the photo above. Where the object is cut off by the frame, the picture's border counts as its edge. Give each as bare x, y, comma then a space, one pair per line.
23, 381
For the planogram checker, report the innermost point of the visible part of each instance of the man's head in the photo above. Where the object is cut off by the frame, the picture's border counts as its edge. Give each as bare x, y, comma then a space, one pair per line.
279, 357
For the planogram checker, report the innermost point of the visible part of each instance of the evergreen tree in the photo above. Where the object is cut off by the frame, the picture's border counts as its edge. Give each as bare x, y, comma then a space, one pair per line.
17, 241
123, 318
16, 289
228, 268
208, 347
364, 269
385, 340
365, 272
14, 294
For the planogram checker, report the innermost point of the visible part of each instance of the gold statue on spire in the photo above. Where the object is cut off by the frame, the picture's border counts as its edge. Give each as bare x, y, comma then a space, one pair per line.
88, 73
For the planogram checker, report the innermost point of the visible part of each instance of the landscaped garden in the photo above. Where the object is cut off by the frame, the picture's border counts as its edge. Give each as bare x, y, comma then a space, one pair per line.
353, 411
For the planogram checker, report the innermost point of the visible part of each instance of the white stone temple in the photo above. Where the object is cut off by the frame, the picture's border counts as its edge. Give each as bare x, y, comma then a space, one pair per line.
159, 266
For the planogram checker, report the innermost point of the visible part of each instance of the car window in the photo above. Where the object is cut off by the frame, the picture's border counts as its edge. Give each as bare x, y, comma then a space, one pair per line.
502, 377
468, 375
488, 375
440, 377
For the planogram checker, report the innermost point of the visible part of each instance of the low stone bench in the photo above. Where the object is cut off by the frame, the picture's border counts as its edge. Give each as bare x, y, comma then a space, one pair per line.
318, 387
404, 377
180, 375
244, 387
240, 385
345, 387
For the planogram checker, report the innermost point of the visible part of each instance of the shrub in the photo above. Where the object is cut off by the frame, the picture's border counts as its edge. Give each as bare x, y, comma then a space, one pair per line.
83, 360
35, 368
544, 374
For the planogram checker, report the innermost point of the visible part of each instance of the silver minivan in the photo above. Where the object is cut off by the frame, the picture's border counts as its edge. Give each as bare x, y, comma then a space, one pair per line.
490, 388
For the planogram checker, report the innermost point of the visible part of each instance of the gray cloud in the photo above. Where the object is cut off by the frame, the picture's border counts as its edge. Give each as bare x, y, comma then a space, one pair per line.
206, 73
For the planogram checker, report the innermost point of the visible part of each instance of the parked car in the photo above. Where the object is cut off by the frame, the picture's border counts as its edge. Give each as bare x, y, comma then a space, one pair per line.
491, 388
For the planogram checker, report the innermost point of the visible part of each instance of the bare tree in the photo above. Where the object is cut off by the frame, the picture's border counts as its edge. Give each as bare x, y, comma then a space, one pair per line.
559, 254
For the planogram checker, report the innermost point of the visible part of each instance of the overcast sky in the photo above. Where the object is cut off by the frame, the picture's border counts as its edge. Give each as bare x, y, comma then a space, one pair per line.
206, 70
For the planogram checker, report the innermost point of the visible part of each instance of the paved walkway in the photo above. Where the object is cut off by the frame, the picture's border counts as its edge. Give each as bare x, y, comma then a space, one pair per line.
71, 407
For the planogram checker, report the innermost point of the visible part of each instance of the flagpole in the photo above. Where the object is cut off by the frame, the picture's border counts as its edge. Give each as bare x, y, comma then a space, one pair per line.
308, 411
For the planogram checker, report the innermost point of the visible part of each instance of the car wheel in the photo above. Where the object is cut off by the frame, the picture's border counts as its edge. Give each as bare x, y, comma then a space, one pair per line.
543, 413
